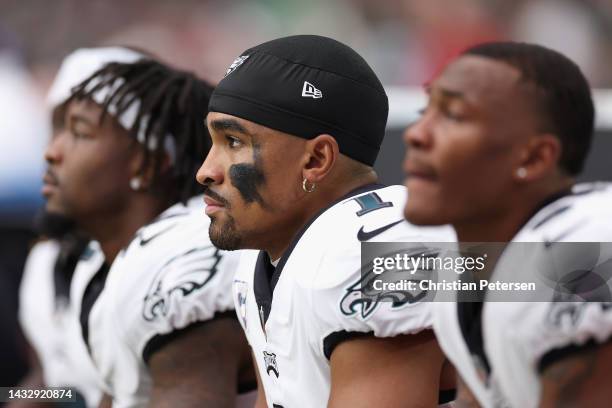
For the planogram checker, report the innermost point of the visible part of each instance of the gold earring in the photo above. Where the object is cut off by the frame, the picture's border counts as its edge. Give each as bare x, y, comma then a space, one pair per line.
307, 189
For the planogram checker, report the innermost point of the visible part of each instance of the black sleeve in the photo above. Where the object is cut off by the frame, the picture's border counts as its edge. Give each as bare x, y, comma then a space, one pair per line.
334, 339
558, 354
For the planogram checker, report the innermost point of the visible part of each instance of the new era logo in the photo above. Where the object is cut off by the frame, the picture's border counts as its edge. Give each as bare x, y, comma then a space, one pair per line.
309, 91
237, 62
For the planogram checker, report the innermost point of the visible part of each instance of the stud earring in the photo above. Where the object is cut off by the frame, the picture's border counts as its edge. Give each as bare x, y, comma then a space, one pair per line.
521, 172
135, 183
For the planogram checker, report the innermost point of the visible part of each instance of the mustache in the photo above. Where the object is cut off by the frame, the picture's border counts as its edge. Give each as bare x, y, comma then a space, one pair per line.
416, 160
50, 176
210, 193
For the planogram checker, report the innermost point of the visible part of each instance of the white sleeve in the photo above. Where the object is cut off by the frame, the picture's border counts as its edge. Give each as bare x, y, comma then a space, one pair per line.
191, 288
343, 312
570, 327
36, 294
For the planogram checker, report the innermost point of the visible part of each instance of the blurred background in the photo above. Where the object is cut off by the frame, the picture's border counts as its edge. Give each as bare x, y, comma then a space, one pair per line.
405, 41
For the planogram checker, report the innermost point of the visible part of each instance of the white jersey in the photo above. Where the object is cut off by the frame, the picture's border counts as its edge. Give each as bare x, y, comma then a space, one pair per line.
294, 315
521, 339
50, 322
169, 277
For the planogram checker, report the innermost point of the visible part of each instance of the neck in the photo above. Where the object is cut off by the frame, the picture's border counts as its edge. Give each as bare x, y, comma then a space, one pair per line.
114, 231
503, 225
313, 203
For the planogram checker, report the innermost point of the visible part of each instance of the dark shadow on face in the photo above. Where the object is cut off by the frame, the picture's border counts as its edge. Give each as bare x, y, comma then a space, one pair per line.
247, 178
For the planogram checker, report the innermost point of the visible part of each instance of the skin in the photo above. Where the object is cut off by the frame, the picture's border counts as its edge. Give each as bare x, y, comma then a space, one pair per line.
480, 126
91, 161
90, 164
278, 163
407, 370
479, 121
240, 173
219, 349
465, 398
578, 381
260, 402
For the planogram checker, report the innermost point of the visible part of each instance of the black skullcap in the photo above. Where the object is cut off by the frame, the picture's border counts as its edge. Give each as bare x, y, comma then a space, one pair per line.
307, 85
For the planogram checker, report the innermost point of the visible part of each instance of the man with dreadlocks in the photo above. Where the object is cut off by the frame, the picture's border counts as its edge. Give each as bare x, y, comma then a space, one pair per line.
47, 318
156, 317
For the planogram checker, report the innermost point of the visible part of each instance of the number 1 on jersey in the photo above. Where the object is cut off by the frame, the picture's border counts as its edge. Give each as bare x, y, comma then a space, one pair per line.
371, 202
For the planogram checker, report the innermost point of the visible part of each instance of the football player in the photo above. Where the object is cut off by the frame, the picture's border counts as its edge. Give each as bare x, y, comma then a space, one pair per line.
496, 153
157, 317
46, 315
296, 125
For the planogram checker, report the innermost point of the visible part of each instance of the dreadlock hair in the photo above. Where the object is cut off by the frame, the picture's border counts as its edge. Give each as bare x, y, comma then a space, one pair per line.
173, 104
563, 96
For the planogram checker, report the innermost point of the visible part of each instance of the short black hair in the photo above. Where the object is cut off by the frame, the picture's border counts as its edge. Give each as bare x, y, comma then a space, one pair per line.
563, 95
173, 103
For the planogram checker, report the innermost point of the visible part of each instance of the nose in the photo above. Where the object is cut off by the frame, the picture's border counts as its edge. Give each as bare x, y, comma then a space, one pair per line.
53, 152
418, 135
211, 171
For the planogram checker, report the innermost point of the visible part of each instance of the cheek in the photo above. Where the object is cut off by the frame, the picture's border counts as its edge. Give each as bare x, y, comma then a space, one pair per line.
461, 155
100, 177
247, 179
474, 170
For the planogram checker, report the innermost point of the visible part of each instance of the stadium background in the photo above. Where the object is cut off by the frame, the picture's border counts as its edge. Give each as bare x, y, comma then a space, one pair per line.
405, 41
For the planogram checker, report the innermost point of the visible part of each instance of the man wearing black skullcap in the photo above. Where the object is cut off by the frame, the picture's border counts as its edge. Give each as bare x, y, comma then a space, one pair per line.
296, 126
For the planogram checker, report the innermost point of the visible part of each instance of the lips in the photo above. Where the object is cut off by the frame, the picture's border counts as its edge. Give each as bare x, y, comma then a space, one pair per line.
50, 183
419, 170
212, 204
50, 178
210, 201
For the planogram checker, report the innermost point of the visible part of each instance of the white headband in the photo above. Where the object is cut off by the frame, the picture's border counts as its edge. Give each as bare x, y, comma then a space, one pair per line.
80, 65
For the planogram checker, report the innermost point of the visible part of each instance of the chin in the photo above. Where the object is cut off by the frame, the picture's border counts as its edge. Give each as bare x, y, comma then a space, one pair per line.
224, 237
57, 210
422, 216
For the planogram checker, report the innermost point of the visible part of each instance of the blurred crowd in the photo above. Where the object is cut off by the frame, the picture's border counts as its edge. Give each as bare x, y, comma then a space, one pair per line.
405, 41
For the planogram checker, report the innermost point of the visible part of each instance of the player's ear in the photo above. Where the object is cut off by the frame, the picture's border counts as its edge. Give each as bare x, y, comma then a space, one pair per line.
539, 158
322, 152
143, 168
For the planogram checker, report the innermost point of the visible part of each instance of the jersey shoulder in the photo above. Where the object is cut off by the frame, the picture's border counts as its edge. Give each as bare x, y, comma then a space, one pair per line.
170, 277
567, 238
36, 293
326, 264
539, 334
38, 269
336, 236
583, 216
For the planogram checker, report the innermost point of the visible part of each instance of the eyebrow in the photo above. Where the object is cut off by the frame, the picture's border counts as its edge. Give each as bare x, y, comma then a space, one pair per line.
228, 124
451, 94
445, 93
80, 118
